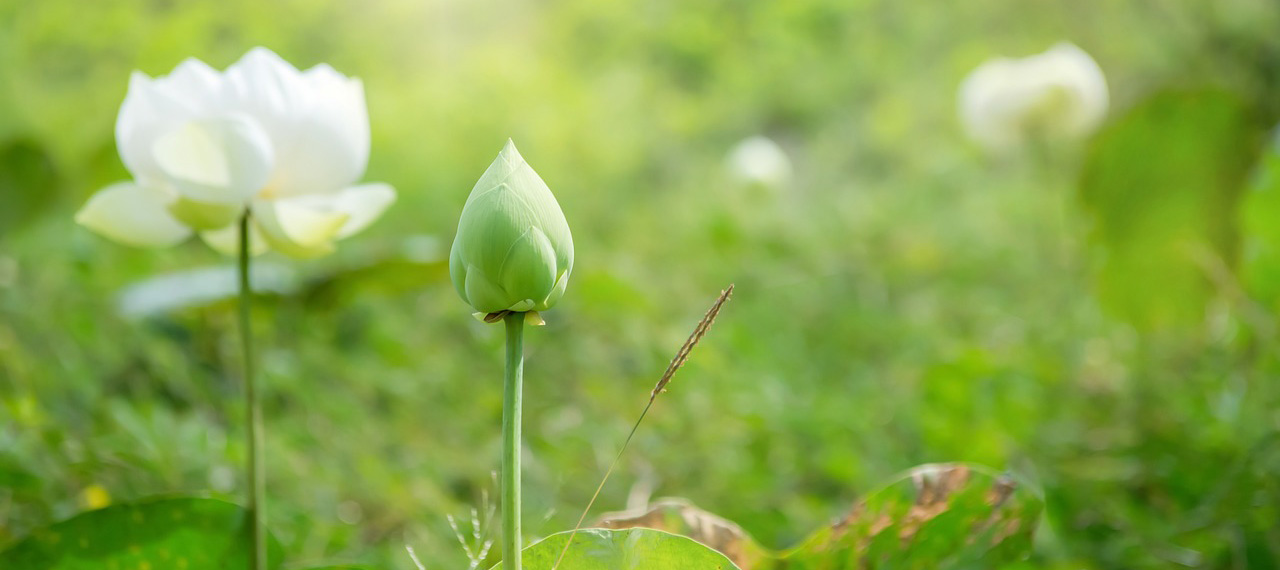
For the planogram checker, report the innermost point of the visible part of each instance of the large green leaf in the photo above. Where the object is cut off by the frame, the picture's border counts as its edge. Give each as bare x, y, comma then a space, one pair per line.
1163, 184
638, 549
935, 517
1259, 212
155, 534
28, 183
682, 517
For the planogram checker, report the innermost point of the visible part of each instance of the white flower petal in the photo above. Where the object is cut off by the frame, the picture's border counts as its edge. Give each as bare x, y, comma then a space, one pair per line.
196, 85
261, 130
363, 205
145, 113
1075, 71
317, 121
133, 215
227, 240
327, 147
988, 98
153, 106
1060, 93
297, 228
218, 161
265, 86
759, 160
323, 77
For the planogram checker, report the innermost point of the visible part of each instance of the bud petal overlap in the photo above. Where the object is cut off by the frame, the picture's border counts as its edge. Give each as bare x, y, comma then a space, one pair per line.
513, 251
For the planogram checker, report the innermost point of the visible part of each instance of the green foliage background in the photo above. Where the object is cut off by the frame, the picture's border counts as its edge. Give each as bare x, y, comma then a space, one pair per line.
905, 300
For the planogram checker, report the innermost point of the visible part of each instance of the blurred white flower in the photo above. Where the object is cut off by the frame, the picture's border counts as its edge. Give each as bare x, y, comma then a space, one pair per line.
1060, 94
759, 160
203, 146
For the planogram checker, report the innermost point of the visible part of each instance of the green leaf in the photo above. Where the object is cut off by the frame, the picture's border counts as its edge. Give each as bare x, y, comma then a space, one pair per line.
682, 517
28, 182
639, 548
1162, 184
153, 534
1260, 266
944, 516
935, 517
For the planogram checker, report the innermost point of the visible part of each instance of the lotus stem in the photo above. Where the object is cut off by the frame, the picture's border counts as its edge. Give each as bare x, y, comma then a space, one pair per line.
511, 401
257, 481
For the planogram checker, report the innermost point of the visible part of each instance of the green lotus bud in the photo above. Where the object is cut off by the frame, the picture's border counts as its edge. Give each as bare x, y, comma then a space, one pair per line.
513, 251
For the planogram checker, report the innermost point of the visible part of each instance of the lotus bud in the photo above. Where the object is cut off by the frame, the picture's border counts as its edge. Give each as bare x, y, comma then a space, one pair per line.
513, 251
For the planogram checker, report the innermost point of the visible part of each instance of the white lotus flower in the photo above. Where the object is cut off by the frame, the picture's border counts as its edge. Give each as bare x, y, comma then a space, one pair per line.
759, 160
1060, 94
204, 146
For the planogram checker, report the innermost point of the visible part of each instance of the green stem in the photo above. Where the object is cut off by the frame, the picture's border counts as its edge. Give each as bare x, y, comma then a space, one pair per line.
257, 483
511, 442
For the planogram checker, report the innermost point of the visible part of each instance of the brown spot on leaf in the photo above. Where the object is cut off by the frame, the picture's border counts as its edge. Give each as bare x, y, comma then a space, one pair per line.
679, 516
935, 485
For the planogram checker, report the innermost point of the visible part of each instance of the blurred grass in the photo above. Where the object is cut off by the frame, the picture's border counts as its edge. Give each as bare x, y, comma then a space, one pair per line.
905, 300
